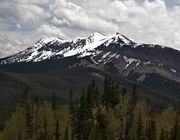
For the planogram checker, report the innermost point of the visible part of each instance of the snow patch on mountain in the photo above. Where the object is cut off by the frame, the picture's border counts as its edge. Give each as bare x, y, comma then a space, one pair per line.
58, 48
173, 70
130, 60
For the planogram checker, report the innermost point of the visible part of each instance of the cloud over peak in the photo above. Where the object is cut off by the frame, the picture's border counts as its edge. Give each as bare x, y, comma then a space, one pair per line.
151, 21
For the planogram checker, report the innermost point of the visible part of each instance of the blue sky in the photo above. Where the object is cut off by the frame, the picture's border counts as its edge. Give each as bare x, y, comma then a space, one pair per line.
172, 2
169, 3
23, 22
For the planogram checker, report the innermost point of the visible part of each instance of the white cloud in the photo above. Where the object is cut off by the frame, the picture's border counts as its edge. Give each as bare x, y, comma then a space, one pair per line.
150, 21
15, 12
146, 21
68, 14
10, 45
48, 31
40, 2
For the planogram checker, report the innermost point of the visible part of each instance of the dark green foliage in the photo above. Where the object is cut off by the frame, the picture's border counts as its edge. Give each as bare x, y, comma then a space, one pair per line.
29, 123
175, 133
93, 95
19, 136
139, 129
72, 110
151, 129
66, 135
29, 112
84, 116
45, 77
110, 97
57, 134
45, 130
162, 134
113, 116
124, 91
102, 125
80, 115
36, 109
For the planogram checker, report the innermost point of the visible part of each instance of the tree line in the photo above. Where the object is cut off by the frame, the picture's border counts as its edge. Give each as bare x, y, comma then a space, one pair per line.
111, 115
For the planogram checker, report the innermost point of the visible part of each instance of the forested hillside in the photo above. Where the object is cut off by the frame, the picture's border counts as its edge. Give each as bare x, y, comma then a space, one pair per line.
111, 115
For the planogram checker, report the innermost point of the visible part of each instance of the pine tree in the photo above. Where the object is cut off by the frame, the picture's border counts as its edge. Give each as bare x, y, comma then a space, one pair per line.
84, 118
29, 123
36, 109
92, 102
124, 91
167, 135
93, 95
80, 116
148, 131
90, 119
139, 129
19, 136
66, 133
105, 96
29, 113
176, 128
102, 125
45, 127
57, 134
111, 93
72, 114
114, 94
97, 96
123, 113
133, 105
153, 129
162, 134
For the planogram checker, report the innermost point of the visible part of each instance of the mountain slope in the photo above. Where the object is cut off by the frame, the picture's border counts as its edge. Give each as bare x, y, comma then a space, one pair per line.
56, 47
126, 55
53, 64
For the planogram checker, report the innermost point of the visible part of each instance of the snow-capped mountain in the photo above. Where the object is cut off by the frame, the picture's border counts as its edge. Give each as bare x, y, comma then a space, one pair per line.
122, 54
50, 47
53, 64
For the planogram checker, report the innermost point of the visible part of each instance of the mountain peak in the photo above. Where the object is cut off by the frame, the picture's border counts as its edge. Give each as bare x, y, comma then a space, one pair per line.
119, 38
117, 33
97, 34
50, 39
96, 37
108, 46
51, 47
